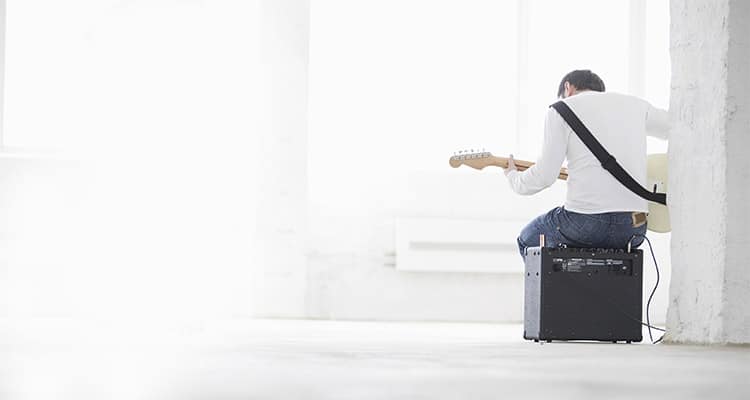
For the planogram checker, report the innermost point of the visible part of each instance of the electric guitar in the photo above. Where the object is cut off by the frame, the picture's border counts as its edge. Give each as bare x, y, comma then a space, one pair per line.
658, 214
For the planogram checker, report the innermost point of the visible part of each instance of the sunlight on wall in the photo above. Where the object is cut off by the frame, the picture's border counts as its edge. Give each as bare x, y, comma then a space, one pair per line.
410, 82
397, 86
132, 194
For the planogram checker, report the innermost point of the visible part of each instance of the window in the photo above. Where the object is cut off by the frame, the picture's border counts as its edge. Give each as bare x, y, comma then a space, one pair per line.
397, 86
563, 36
121, 75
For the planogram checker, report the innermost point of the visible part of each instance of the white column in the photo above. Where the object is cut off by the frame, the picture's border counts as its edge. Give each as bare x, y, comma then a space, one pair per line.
282, 162
637, 48
522, 81
710, 172
2, 69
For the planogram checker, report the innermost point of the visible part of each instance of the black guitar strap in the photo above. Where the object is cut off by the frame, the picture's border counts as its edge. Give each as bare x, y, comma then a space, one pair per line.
607, 160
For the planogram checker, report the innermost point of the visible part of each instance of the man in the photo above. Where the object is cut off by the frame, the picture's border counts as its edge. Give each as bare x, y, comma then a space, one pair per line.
599, 212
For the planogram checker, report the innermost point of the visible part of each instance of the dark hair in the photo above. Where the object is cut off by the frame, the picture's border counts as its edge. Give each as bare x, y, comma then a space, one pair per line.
582, 79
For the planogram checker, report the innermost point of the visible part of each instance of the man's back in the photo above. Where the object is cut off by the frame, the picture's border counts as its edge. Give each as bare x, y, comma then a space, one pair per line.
621, 124
599, 212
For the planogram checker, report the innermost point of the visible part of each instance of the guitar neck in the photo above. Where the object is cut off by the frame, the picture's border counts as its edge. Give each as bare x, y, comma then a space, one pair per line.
521, 165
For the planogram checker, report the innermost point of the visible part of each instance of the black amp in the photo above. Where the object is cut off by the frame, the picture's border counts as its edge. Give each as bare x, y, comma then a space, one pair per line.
583, 294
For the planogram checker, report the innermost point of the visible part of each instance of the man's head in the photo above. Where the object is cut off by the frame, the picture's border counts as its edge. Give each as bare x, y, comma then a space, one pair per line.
579, 81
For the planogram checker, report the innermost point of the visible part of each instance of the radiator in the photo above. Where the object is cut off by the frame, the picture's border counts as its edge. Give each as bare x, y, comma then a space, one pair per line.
458, 245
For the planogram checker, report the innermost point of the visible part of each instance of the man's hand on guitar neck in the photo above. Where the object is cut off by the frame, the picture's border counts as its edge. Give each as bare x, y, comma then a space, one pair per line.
511, 166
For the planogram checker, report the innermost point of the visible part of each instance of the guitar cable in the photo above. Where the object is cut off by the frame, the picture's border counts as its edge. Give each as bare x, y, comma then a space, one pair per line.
648, 304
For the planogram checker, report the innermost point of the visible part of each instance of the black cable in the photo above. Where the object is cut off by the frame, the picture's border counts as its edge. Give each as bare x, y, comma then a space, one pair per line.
648, 304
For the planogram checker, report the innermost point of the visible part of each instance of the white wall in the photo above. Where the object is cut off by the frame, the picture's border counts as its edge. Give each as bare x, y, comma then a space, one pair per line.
736, 312
352, 274
190, 169
129, 181
709, 181
280, 283
388, 107
2, 65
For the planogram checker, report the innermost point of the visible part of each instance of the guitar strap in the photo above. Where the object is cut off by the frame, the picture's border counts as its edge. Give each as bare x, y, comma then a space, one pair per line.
607, 160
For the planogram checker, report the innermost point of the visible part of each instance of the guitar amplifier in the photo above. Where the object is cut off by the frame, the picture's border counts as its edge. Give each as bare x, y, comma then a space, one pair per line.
583, 294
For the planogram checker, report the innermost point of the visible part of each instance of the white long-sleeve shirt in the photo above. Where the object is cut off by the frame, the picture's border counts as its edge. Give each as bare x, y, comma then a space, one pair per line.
621, 124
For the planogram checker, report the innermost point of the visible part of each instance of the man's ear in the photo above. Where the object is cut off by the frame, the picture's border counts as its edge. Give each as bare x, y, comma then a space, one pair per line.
569, 89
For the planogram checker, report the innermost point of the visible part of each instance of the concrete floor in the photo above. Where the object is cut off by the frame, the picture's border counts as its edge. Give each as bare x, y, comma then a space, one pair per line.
350, 360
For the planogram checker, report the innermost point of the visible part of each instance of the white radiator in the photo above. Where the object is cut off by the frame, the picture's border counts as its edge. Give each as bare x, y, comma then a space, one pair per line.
458, 245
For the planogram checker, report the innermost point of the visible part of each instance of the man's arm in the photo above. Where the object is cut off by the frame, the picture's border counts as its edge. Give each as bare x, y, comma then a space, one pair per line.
544, 173
657, 122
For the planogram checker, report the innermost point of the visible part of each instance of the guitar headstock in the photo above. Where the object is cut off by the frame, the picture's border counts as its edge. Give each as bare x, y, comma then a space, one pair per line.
476, 160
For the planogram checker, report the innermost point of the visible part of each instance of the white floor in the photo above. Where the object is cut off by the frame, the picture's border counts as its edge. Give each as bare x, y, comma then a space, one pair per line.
350, 360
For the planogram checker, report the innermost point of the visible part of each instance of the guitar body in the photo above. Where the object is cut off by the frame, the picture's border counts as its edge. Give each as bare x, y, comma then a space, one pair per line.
658, 215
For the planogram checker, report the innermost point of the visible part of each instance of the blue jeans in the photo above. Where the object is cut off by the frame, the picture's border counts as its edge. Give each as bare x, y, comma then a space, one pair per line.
562, 227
